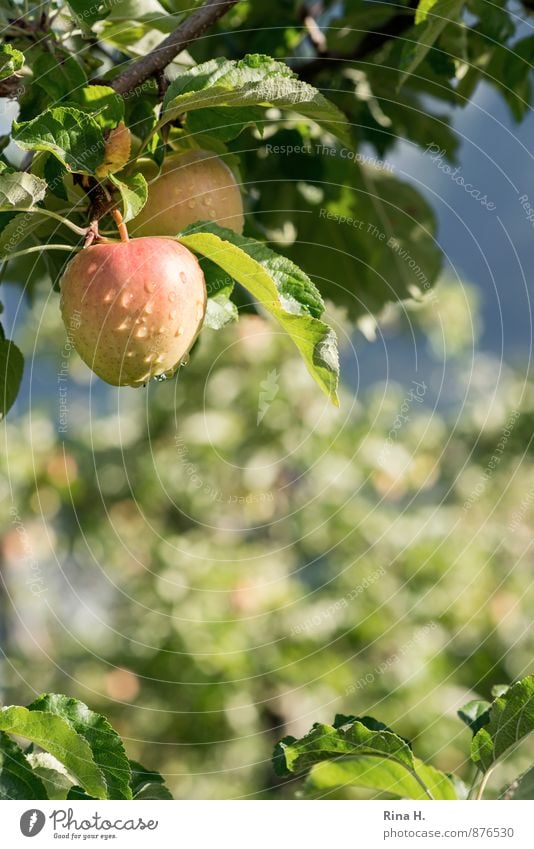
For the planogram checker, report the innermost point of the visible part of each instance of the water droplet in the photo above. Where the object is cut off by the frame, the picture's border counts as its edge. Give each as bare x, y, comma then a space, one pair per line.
172, 315
172, 296
125, 300
207, 201
124, 325
180, 331
161, 358
142, 332
150, 286
149, 308
191, 204
130, 354
150, 358
183, 277
108, 297
185, 361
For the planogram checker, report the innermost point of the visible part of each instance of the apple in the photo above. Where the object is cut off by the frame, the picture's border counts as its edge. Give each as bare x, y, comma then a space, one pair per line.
193, 186
133, 309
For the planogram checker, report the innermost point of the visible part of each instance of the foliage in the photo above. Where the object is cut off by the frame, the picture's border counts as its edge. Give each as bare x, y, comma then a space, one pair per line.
361, 752
213, 561
90, 118
79, 755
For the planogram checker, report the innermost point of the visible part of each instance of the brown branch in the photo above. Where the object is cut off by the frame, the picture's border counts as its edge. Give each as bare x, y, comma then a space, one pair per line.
158, 59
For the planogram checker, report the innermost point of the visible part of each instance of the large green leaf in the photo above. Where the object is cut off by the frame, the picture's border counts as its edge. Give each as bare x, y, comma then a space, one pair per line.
381, 774
281, 288
364, 743
105, 743
20, 189
73, 136
57, 736
11, 369
17, 780
255, 81
511, 717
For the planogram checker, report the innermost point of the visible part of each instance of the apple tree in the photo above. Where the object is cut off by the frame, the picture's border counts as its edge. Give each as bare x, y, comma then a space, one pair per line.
172, 164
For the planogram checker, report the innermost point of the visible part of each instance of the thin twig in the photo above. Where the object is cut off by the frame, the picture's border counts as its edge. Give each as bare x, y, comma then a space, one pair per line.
158, 59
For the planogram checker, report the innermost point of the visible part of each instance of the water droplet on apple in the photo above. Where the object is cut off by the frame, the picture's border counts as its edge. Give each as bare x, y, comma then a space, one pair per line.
180, 331
172, 315
142, 332
125, 300
150, 286
172, 296
191, 204
183, 277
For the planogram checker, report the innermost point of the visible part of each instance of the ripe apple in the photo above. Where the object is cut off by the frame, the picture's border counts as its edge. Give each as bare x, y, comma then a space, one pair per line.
194, 186
133, 309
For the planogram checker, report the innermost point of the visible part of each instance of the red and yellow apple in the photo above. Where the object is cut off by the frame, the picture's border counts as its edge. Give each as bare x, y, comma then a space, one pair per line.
193, 186
133, 309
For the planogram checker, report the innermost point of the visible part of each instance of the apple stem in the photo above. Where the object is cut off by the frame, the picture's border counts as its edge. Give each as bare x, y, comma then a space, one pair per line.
121, 226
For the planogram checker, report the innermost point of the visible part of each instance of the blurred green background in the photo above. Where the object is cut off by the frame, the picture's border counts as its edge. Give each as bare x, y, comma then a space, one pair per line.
224, 559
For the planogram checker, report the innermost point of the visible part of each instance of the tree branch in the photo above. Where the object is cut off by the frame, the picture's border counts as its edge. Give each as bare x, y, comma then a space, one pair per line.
161, 56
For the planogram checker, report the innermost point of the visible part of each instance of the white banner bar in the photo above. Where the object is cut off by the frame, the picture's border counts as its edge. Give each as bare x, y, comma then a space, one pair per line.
263, 825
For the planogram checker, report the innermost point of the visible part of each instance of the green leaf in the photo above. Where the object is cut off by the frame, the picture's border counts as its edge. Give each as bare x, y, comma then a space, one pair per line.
18, 229
522, 788
511, 718
11, 369
384, 775
134, 193
255, 81
73, 136
415, 50
281, 288
103, 103
11, 60
147, 784
55, 735
59, 79
21, 189
17, 780
106, 745
87, 12
367, 750
475, 714
52, 773
423, 9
